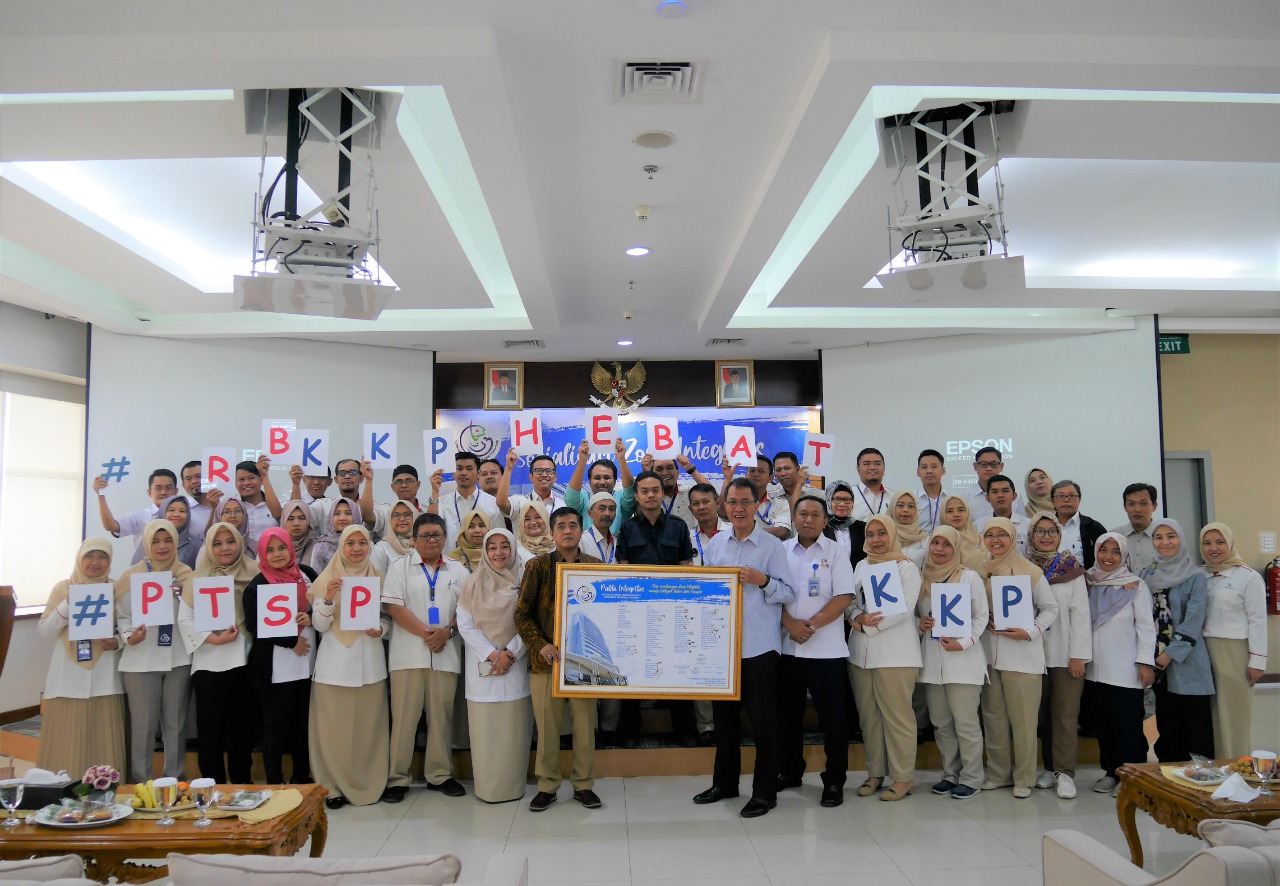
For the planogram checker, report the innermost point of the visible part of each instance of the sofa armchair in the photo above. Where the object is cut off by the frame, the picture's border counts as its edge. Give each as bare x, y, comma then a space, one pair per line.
1071, 858
260, 870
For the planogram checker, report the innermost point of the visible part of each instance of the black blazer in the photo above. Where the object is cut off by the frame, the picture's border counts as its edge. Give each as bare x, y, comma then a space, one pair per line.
261, 650
1090, 531
857, 540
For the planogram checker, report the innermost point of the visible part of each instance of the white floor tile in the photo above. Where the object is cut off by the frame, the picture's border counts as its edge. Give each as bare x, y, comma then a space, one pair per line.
687, 851
851, 878
671, 799
474, 854
1023, 876
342, 847
945, 846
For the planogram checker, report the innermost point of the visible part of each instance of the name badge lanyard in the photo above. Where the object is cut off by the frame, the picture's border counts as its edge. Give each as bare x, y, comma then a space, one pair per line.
815, 583
933, 508
600, 545
764, 518
164, 636
433, 611
879, 503
671, 504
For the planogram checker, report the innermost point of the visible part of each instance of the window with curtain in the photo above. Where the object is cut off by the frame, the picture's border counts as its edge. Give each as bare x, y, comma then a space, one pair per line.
41, 492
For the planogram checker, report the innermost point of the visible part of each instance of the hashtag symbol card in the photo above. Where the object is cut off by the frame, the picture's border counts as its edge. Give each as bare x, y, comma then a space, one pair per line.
91, 613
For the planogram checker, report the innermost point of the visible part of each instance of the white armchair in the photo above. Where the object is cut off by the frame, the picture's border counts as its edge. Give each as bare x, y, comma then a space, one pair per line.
219, 870
1074, 859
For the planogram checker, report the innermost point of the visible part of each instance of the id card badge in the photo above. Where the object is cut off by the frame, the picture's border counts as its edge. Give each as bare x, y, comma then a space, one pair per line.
815, 584
433, 615
84, 650
165, 637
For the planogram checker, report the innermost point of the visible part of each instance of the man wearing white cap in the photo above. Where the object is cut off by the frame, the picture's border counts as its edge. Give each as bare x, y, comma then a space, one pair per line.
599, 540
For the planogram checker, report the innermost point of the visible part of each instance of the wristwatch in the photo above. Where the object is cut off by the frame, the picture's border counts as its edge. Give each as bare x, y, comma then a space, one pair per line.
764, 584
453, 632
432, 500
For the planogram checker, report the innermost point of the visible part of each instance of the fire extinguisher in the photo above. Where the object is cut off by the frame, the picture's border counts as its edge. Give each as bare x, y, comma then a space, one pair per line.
1272, 577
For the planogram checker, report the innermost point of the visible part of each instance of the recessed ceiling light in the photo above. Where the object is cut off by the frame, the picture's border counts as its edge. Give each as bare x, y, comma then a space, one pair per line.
672, 9
625, 342
654, 138
638, 250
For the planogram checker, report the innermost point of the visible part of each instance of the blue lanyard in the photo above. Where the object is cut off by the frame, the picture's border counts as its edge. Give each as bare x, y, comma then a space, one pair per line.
431, 579
671, 504
600, 546
764, 518
702, 558
879, 504
933, 508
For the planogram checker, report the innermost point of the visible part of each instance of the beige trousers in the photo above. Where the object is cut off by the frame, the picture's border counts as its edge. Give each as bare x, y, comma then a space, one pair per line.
548, 712
413, 691
1010, 708
883, 696
953, 709
1061, 720
1233, 703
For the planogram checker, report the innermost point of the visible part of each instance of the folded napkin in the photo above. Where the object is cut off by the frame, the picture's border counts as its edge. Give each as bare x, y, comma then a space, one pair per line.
44, 776
1235, 789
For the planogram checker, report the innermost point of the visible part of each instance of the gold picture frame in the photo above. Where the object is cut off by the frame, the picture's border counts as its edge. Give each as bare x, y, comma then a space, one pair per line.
496, 396
691, 614
735, 384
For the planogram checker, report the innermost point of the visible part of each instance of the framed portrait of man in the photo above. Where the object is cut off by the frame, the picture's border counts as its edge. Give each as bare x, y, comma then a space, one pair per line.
735, 383
504, 386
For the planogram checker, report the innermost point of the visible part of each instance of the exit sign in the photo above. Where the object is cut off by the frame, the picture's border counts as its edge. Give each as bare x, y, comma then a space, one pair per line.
1174, 344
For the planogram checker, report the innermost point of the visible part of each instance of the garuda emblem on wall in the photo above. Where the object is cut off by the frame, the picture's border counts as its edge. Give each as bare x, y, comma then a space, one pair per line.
618, 389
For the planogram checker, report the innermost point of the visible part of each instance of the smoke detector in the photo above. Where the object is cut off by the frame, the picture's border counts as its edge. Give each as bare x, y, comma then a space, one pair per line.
642, 212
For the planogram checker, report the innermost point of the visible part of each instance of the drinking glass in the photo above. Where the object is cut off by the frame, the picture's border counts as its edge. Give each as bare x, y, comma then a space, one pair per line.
167, 796
1264, 766
204, 796
11, 798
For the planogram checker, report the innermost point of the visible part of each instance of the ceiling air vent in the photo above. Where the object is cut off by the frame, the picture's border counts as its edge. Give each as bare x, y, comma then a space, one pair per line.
726, 342
657, 81
524, 343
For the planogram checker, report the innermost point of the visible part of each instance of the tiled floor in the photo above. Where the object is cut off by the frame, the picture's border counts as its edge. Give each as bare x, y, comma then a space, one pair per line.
649, 832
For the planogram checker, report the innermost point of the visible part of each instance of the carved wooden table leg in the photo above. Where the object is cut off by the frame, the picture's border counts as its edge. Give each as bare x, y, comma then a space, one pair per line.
321, 833
1126, 809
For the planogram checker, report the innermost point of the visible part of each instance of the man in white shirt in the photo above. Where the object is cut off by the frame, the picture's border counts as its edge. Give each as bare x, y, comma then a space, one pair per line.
814, 651
599, 540
774, 514
261, 506
424, 658
1140, 506
987, 463
160, 485
348, 474
198, 508
705, 505
542, 473
1079, 533
466, 496
308, 488
931, 467
872, 496
1001, 494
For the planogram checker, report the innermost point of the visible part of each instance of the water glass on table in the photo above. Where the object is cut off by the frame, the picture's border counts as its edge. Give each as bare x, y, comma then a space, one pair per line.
204, 795
1264, 766
11, 799
167, 797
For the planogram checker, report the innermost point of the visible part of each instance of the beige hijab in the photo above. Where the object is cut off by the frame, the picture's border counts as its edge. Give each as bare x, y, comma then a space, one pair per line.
933, 573
401, 544
1010, 562
181, 573
466, 553
538, 544
894, 552
241, 570
972, 553
909, 533
1233, 559
339, 567
63, 588
1035, 503
490, 594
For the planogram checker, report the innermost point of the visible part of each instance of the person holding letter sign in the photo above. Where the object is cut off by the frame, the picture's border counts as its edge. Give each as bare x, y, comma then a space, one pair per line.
350, 725
1011, 701
155, 666
225, 724
83, 706
1123, 665
884, 659
954, 667
280, 666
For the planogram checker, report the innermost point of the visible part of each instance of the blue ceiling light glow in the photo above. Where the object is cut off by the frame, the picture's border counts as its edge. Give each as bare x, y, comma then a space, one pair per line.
672, 9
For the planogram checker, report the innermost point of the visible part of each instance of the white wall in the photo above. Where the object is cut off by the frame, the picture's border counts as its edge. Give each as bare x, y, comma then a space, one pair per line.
159, 401
1081, 407
39, 356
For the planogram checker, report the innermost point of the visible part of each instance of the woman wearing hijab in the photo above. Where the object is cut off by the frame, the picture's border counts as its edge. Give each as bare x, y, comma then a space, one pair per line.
82, 724
955, 513
470, 549
177, 511
533, 532
1038, 487
1184, 677
1235, 630
954, 669
280, 667
226, 510
1011, 701
497, 672
1123, 665
884, 661
399, 538
295, 519
225, 725
155, 665
343, 514
1068, 647
911, 538
350, 729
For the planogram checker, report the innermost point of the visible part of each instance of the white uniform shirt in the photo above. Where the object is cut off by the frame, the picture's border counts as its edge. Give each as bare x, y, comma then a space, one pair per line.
916, 552
132, 523
205, 657
511, 686
454, 507
363, 663
516, 501
407, 584
895, 642
1124, 641
260, 520
198, 520
1238, 610
66, 678
596, 544
700, 541
1020, 523
148, 655
678, 506
774, 513
384, 555
929, 510
866, 504
1070, 538
977, 502
1071, 635
1024, 656
824, 561
969, 665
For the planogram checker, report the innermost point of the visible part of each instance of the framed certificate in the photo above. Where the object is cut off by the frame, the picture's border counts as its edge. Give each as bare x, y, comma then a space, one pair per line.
648, 632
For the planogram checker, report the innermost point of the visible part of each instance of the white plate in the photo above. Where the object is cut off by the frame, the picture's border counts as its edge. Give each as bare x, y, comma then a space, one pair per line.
119, 813
1204, 781
263, 796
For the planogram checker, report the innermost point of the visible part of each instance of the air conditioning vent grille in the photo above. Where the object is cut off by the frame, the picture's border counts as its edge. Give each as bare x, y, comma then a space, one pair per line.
644, 82
524, 343
726, 342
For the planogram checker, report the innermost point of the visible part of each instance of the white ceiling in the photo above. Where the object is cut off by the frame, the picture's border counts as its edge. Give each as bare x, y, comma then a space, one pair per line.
1141, 168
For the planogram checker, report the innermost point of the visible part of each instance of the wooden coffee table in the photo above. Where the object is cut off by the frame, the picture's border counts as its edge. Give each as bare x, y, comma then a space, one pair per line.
105, 850
1177, 806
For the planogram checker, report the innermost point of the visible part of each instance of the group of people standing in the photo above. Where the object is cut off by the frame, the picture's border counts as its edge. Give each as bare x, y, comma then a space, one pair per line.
468, 587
